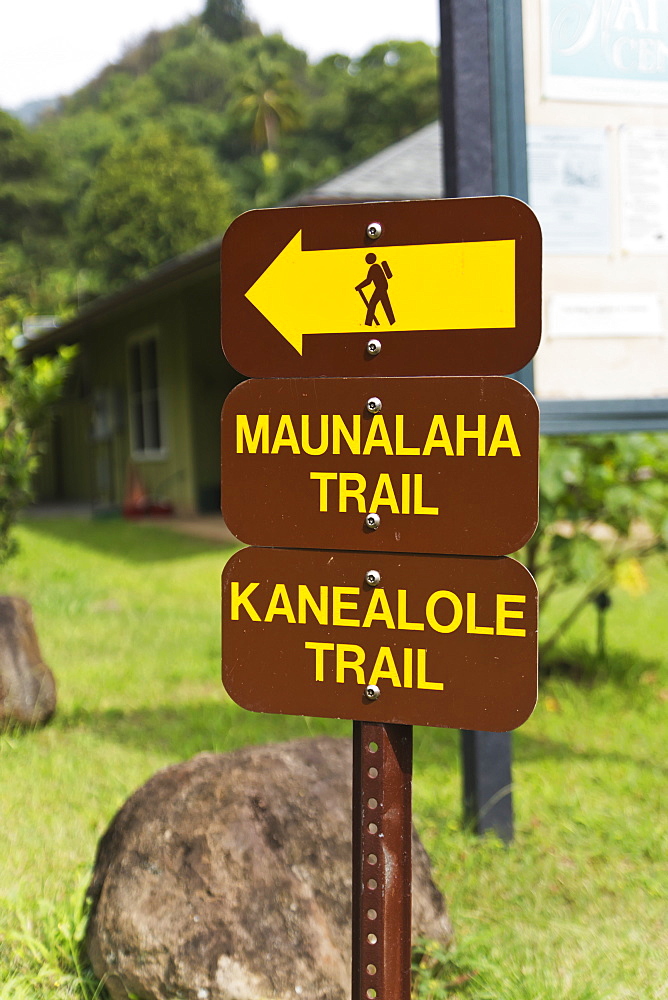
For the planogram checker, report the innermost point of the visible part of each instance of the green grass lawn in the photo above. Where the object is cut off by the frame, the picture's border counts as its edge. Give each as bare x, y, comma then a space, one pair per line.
128, 617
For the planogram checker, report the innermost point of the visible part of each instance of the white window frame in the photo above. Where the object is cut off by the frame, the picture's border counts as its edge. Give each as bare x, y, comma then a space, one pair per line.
146, 393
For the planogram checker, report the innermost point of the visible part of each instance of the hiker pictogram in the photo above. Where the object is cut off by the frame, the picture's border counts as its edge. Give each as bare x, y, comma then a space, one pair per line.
378, 275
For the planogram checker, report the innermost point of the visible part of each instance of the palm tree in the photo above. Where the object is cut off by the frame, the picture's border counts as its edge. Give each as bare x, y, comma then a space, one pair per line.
268, 100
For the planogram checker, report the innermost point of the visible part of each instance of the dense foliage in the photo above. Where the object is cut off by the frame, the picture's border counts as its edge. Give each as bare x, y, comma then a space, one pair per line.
27, 392
190, 127
157, 154
603, 510
122, 234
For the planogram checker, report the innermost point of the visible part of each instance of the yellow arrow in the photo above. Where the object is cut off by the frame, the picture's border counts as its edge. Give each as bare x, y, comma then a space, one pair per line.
434, 286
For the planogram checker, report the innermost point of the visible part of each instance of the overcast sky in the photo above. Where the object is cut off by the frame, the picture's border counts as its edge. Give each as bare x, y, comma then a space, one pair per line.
51, 47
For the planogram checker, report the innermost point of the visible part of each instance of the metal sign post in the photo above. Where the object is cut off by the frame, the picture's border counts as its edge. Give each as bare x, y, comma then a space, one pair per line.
382, 829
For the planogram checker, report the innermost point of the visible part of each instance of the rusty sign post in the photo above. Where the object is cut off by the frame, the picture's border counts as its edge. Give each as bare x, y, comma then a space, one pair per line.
381, 445
382, 869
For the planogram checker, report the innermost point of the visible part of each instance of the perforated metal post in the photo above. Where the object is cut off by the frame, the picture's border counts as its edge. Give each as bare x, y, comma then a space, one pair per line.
381, 926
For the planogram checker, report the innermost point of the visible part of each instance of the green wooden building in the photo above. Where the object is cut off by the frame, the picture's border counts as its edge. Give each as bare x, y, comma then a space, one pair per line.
144, 398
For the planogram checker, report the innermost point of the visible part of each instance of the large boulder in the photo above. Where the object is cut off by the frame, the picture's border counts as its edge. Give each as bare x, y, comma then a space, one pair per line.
27, 686
228, 877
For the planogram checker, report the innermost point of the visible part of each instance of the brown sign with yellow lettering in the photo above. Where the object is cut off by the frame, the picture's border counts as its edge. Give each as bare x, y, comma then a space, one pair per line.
434, 465
442, 287
419, 640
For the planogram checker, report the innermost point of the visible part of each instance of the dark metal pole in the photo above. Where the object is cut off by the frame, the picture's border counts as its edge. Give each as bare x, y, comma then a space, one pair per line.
482, 98
382, 825
466, 109
484, 153
508, 114
487, 782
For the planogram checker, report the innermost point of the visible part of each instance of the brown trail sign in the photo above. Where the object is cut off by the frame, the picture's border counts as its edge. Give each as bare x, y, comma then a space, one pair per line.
386, 463
446, 465
415, 640
445, 287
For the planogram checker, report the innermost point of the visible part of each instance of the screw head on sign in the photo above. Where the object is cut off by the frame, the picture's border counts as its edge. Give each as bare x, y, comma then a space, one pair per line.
373, 230
372, 691
373, 347
374, 405
372, 521
372, 577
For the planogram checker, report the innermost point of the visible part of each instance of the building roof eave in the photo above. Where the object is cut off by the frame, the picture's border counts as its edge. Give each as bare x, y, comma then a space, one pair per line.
180, 270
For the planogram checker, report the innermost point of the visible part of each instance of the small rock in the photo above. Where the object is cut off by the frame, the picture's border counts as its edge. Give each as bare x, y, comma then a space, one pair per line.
110, 605
251, 895
27, 686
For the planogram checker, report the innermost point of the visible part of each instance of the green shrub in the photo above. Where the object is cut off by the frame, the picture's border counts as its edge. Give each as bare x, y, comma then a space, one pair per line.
27, 393
603, 510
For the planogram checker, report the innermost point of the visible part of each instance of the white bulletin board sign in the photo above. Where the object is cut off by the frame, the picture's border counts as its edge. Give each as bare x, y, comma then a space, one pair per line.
614, 51
569, 188
604, 314
597, 140
644, 189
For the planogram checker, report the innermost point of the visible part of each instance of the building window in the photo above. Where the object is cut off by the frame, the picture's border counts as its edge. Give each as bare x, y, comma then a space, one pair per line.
147, 437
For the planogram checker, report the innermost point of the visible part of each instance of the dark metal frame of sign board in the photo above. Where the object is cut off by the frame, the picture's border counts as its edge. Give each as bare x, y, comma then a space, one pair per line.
602, 416
484, 152
510, 176
488, 112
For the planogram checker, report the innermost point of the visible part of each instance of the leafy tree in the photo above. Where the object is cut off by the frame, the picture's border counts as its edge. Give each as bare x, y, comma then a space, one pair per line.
152, 198
131, 101
393, 90
33, 204
330, 81
226, 19
79, 141
136, 61
138, 58
603, 509
198, 126
269, 178
42, 290
29, 200
27, 393
198, 74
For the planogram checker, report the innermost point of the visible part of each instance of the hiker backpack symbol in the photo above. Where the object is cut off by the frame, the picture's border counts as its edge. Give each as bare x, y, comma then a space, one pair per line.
378, 275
